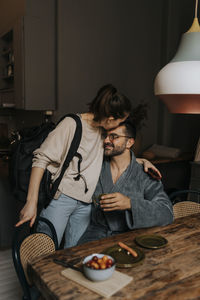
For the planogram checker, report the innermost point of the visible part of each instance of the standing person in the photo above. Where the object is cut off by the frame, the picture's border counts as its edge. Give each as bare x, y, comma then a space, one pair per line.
70, 209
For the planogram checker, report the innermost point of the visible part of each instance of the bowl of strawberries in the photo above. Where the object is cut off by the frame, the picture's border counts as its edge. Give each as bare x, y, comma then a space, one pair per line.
98, 267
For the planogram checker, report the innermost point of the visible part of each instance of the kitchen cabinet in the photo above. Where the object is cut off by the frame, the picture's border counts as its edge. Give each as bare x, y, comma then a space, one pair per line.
7, 70
175, 171
195, 175
28, 59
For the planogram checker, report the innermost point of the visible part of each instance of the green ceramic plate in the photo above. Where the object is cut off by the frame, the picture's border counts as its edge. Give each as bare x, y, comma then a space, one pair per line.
151, 241
122, 258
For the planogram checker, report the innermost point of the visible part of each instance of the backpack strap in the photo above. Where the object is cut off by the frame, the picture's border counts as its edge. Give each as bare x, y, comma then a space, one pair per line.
79, 171
71, 153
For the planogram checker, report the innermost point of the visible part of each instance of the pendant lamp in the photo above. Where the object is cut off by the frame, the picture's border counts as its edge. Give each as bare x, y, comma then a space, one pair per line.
178, 83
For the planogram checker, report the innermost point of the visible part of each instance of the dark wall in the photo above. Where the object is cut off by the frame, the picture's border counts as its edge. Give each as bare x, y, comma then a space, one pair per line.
121, 42
125, 43
109, 42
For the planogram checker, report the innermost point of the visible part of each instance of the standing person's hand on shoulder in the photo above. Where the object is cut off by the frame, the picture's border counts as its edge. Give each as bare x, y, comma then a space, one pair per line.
149, 168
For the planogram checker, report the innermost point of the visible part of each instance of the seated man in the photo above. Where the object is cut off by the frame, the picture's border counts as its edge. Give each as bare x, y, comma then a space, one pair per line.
130, 198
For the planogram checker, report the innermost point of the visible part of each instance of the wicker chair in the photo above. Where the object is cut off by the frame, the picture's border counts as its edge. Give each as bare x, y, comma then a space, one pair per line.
28, 244
185, 202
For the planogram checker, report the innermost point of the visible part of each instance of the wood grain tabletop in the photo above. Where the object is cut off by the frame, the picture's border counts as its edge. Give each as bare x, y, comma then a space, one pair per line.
168, 273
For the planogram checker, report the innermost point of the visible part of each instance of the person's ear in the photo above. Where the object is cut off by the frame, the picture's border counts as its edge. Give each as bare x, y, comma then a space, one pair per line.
130, 143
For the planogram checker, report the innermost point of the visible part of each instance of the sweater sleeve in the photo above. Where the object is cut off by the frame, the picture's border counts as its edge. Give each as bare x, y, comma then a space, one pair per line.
149, 208
55, 147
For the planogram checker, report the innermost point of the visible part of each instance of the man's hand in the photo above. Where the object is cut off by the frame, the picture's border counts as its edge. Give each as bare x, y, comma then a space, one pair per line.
115, 201
28, 213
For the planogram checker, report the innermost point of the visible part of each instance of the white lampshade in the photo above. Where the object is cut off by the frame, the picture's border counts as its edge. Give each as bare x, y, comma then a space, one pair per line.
178, 83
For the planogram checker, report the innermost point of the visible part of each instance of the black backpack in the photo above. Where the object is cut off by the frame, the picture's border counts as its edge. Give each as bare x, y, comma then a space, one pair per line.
21, 161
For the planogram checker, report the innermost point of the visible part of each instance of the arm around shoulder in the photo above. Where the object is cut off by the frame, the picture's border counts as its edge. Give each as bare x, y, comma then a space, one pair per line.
149, 168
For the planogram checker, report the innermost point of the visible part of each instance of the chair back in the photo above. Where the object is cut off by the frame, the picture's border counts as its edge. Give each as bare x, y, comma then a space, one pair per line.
35, 245
185, 208
27, 245
185, 202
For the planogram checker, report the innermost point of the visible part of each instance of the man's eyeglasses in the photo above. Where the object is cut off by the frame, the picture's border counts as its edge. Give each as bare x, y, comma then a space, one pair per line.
113, 136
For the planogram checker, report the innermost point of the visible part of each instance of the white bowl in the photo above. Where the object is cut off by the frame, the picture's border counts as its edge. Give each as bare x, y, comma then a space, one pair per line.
99, 274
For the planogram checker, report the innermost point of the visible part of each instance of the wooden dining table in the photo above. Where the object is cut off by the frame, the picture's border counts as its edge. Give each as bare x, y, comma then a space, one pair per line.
171, 272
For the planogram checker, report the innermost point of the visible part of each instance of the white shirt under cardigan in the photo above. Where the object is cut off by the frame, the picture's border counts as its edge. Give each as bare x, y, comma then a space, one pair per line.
53, 151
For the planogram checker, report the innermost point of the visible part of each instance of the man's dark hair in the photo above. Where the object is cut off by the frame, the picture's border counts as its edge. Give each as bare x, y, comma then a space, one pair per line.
109, 102
129, 127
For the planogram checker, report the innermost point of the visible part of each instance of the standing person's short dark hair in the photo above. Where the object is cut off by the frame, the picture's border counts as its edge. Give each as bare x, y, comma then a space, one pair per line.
109, 102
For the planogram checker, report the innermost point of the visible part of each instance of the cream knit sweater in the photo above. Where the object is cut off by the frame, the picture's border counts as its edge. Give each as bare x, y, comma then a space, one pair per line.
54, 149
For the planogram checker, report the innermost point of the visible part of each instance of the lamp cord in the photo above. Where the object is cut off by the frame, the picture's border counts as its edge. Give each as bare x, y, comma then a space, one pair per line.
196, 6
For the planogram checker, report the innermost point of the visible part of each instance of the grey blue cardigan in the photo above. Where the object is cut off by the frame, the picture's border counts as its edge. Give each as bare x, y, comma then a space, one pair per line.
150, 205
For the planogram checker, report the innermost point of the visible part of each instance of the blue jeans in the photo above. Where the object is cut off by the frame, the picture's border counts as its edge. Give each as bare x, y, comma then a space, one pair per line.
70, 218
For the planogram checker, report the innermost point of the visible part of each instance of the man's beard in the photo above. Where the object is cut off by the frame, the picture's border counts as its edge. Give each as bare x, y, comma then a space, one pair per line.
114, 150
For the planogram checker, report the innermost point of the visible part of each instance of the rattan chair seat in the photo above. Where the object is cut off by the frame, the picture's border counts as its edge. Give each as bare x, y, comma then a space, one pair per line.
185, 208
27, 244
35, 245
